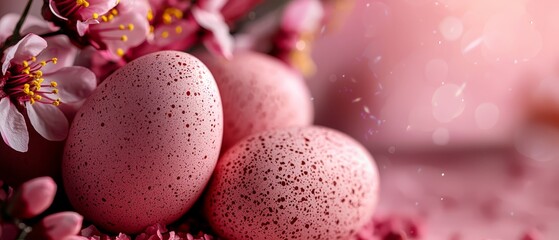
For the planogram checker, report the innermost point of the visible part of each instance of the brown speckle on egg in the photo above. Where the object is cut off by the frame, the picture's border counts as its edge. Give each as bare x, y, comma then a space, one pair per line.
296, 183
131, 159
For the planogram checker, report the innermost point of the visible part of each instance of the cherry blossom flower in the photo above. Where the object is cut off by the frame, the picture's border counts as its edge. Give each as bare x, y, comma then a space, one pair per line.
77, 14
31, 81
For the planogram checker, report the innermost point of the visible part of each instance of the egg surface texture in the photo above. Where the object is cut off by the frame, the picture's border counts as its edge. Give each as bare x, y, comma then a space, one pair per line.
259, 93
295, 183
144, 145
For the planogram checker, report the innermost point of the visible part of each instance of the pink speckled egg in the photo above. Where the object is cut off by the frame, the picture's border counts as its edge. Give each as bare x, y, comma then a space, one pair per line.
295, 183
142, 148
259, 93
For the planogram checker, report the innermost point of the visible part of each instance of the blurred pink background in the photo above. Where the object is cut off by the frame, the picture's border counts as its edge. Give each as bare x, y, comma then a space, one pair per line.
417, 74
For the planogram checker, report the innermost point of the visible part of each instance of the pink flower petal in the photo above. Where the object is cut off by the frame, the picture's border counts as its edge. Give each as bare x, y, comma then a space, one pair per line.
220, 42
12, 126
74, 83
33, 197
31, 45
58, 47
48, 121
31, 25
219, 45
211, 5
302, 16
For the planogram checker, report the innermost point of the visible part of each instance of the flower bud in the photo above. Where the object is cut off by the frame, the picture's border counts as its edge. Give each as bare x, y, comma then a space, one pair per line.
32, 198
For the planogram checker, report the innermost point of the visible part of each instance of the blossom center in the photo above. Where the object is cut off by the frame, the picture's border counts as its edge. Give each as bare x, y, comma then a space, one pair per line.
24, 82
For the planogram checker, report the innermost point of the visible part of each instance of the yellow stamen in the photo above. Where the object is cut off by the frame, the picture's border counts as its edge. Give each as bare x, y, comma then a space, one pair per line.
43, 63
95, 15
104, 18
55, 91
167, 18
130, 26
33, 59
53, 84
121, 27
38, 97
26, 70
32, 100
124, 38
165, 34
26, 88
178, 29
120, 52
54, 60
38, 73
150, 15
111, 17
56, 103
25, 64
114, 11
151, 29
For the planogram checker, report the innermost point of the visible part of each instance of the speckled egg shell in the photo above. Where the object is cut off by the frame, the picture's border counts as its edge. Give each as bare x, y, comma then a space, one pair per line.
142, 148
259, 93
296, 183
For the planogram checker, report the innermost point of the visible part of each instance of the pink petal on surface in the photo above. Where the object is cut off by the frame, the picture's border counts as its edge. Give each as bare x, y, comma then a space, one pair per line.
302, 16
74, 83
31, 45
48, 121
90, 231
12, 126
61, 225
32, 198
234, 9
220, 42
